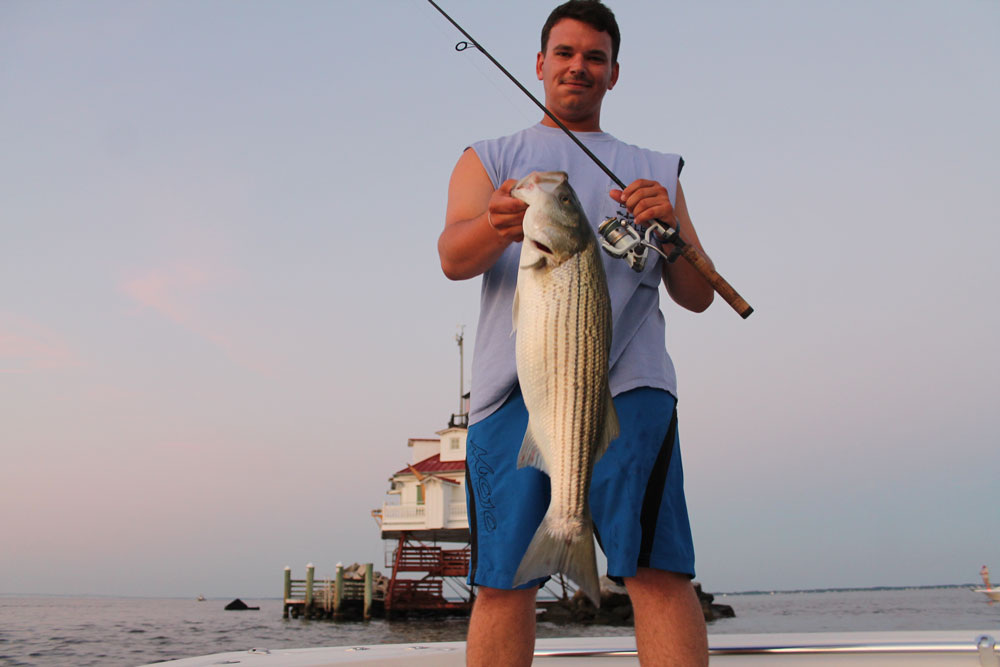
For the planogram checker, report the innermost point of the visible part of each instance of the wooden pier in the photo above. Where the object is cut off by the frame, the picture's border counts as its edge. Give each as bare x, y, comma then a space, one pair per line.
345, 598
340, 598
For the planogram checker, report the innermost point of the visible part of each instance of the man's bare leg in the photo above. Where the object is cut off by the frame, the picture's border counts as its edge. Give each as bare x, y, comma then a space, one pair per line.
669, 622
502, 628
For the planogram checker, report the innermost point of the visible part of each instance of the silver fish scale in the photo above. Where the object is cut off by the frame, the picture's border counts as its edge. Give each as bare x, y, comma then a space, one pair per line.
563, 339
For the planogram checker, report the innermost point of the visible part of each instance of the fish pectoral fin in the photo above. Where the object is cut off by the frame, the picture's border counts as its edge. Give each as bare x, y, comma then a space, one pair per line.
531, 454
611, 428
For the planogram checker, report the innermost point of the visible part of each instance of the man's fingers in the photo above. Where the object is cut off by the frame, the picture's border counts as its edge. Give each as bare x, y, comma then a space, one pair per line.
502, 202
508, 205
641, 184
651, 191
646, 200
642, 204
506, 213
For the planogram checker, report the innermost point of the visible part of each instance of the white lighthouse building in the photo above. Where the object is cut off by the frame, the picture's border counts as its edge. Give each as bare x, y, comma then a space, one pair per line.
425, 507
427, 497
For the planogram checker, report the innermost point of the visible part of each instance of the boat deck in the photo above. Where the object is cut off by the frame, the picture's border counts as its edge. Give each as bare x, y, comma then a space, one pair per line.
942, 649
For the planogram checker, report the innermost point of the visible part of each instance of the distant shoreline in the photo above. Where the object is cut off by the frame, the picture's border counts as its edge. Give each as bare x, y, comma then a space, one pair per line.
846, 590
113, 596
106, 596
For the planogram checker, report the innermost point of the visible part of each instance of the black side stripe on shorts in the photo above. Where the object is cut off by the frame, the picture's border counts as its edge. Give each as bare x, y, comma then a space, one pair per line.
471, 510
654, 493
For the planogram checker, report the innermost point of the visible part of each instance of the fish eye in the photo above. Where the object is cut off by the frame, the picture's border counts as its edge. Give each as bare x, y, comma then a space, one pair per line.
564, 199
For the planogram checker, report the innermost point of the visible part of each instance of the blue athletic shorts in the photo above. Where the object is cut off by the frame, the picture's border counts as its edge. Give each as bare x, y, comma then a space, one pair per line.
636, 494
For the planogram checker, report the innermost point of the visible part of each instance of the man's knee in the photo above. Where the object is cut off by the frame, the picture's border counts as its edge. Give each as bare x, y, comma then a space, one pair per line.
669, 622
650, 577
505, 597
502, 628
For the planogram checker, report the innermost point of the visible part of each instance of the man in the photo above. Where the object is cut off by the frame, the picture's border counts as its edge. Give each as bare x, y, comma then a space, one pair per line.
637, 497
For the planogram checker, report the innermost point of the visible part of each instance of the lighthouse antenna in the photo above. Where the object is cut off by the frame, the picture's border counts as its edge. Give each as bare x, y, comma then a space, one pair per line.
460, 339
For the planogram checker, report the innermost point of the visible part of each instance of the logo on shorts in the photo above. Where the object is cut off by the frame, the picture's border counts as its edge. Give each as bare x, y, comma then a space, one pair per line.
483, 487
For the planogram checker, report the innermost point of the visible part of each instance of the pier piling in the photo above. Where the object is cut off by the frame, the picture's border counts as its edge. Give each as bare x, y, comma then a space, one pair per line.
288, 591
369, 586
310, 573
338, 591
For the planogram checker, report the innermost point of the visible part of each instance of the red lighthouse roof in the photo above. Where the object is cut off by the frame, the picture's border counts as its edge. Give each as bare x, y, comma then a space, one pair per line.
433, 464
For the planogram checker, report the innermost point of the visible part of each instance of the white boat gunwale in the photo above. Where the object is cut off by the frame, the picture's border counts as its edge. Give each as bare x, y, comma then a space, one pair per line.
899, 647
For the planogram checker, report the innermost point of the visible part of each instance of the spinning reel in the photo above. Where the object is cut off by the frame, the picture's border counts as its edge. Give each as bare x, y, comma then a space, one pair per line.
622, 241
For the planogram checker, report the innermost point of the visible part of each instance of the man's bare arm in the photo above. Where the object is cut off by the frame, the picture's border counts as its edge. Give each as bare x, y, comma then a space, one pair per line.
685, 284
480, 222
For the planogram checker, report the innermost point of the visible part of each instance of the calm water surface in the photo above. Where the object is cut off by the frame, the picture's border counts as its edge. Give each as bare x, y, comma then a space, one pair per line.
43, 631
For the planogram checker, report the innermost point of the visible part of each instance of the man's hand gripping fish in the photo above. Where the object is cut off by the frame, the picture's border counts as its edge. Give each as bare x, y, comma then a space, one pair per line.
562, 316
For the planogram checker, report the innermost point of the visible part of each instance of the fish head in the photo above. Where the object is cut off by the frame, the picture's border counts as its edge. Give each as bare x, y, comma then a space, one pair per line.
554, 224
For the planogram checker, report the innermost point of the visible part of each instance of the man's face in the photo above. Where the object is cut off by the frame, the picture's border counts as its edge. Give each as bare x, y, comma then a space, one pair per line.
576, 70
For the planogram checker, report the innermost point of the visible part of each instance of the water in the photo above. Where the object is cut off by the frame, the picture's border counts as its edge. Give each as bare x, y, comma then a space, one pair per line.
42, 631
948, 608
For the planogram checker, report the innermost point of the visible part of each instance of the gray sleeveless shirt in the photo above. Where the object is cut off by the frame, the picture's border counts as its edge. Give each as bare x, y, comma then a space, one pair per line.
639, 356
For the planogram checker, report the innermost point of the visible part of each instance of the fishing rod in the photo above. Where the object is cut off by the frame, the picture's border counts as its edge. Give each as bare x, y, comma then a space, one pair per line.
619, 239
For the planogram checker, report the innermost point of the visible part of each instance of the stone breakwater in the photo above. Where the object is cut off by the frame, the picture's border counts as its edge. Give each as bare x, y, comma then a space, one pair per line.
616, 608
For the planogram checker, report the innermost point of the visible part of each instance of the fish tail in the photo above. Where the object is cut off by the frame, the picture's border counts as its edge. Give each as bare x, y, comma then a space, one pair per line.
549, 553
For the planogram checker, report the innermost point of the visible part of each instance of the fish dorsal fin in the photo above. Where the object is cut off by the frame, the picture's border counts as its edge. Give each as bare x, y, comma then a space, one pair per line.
611, 428
531, 454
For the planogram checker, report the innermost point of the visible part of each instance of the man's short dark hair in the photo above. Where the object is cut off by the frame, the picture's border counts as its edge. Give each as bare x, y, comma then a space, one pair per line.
592, 12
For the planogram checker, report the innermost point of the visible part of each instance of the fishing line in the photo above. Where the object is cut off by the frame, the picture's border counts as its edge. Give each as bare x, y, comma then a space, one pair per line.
472, 43
503, 91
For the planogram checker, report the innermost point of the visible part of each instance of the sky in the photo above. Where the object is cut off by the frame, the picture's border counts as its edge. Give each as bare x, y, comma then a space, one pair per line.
222, 312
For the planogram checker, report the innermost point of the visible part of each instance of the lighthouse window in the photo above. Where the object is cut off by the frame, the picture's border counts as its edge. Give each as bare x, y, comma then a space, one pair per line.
454, 443
420, 494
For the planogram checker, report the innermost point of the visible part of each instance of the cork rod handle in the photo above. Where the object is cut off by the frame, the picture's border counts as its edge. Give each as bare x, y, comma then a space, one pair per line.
718, 283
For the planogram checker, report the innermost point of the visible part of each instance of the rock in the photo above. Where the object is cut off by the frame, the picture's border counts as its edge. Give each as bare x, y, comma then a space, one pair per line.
356, 572
616, 607
711, 610
607, 585
557, 613
240, 605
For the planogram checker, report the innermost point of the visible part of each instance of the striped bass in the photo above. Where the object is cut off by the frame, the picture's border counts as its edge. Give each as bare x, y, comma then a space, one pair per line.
562, 316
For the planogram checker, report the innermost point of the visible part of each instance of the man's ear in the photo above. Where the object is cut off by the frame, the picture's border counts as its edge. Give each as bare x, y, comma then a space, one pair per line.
614, 76
539, 59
